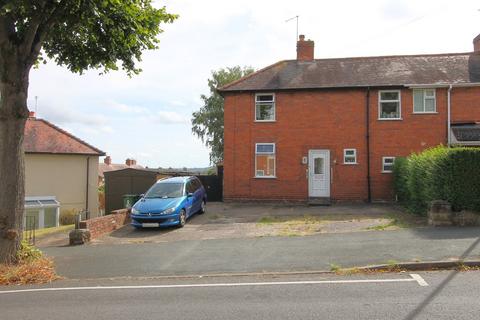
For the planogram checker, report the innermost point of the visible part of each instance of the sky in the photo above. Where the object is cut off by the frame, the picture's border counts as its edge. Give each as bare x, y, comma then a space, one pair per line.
147, 117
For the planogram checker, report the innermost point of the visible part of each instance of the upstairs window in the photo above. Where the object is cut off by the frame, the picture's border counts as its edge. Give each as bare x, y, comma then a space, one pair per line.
424, 101
387, 164
265, 107
350, 156
389, 105
265, 160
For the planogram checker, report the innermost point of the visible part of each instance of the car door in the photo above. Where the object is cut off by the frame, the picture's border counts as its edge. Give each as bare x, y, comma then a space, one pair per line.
190, 199
197, 194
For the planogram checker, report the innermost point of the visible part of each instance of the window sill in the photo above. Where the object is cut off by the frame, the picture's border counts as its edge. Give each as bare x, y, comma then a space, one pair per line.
265, 121
350, 163
420, 113
387, 171
390, 119
265, 177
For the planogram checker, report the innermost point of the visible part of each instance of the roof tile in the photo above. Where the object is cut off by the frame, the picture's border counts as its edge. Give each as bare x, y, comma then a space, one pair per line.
452, 68
42, 136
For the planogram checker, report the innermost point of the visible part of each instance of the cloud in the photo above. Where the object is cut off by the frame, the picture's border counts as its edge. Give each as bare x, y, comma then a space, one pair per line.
97, 130
169, 117
68, 114
396, 9
148, 114
125, 108
178, 103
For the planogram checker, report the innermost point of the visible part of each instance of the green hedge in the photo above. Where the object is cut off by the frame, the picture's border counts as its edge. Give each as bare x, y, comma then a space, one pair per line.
440, 173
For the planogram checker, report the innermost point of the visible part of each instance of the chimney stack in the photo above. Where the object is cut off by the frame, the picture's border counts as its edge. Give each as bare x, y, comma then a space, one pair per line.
305, 49
476, 44
130, 162
31, 114
107, 160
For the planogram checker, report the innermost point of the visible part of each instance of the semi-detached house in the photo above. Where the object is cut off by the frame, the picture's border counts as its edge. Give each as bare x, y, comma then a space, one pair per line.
330, 129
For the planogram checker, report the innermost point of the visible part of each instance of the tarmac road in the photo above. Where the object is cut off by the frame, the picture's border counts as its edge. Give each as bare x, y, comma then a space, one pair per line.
447, 295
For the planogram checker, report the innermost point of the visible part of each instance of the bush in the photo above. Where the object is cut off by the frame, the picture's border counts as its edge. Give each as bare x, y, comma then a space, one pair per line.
28, 252
400, 174
67, 216
440, 173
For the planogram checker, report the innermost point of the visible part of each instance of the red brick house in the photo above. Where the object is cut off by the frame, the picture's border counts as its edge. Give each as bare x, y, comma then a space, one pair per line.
329, 129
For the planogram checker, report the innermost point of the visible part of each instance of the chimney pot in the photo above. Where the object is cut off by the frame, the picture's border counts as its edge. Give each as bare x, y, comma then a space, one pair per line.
476, 44
107, 160
130, 162
305, 49
31, 114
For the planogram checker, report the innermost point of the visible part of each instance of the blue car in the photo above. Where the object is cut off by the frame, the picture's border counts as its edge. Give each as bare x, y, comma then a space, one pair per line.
170, 202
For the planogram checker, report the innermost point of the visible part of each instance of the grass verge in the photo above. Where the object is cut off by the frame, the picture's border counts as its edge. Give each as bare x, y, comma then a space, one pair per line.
47, 231
292, 226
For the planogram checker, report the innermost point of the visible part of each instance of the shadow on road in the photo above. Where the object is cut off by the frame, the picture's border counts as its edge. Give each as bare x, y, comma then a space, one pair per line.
417, 311
442, 233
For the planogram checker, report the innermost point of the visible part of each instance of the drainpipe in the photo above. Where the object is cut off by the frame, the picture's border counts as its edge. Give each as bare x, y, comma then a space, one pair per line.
87, 213
449, 105
367, 107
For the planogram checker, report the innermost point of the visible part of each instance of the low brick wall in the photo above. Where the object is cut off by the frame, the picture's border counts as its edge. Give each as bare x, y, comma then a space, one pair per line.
440, 214
108, 223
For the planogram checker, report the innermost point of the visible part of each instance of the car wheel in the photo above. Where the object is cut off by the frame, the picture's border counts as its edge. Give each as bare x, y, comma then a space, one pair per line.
203, 208
182, 219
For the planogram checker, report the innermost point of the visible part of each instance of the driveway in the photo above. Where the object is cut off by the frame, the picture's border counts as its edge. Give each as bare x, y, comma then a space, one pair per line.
233, 220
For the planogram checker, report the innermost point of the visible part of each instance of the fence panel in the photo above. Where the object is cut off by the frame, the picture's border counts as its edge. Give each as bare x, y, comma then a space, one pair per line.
30, 227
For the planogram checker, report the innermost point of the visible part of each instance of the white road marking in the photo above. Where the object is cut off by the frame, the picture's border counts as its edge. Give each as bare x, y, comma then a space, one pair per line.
419, 279
414, 278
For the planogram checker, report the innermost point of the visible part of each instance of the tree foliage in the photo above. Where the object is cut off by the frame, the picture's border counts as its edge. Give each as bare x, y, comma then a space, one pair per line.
83, 34
207, 123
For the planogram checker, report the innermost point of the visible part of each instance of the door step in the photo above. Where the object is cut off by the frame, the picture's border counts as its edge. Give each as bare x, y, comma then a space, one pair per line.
320, 201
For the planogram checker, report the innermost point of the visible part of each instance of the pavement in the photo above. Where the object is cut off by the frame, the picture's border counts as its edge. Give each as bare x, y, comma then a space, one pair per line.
426, 295
265, 254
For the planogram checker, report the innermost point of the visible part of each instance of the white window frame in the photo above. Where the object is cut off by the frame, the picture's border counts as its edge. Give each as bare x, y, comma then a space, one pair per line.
424, 99
273, 105
274, 153
383, 164
354, 156
380, 104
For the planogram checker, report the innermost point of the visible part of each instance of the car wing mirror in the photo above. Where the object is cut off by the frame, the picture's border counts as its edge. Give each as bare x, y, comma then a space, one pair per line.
189, 194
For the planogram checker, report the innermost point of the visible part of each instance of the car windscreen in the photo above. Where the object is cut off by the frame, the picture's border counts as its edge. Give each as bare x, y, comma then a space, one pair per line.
165, 190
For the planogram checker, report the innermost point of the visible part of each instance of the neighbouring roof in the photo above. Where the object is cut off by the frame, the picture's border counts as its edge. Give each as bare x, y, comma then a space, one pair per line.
452, 68
42, 136
468, 134
103, 167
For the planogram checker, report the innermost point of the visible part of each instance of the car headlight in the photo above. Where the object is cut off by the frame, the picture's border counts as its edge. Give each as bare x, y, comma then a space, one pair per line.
168, 211
134, 211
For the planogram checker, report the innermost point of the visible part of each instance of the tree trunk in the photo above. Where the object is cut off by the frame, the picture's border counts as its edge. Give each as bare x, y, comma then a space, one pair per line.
13, 115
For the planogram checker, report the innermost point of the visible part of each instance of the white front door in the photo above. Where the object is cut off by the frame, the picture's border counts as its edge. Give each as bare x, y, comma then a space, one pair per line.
319, 173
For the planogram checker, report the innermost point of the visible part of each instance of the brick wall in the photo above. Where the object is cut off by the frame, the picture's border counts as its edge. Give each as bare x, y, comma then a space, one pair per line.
102, 225
330, 119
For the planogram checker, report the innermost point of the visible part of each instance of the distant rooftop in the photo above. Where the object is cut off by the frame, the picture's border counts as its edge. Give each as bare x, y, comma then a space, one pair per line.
107, 165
